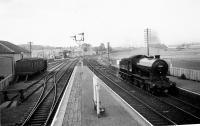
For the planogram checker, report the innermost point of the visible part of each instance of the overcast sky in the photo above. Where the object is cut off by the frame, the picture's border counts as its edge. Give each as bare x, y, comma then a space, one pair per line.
120, 22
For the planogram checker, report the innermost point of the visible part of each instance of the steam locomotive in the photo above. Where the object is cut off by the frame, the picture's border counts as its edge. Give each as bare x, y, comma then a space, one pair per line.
148, 73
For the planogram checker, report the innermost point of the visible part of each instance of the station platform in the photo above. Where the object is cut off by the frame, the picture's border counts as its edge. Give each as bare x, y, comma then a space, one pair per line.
188, 85
77, 107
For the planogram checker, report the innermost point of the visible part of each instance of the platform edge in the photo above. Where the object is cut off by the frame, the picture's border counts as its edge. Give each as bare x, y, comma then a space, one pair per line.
60, 113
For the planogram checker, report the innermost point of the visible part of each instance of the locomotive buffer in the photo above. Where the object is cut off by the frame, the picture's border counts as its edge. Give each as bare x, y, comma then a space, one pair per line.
97, 103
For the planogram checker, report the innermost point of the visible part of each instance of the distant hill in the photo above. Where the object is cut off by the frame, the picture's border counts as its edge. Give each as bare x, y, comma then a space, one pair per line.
188, 46
192, 45
37, 47
158, 46
116, 49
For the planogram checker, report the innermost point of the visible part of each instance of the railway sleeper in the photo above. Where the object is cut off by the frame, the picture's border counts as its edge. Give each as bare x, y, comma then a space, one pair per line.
38, 118
36, 122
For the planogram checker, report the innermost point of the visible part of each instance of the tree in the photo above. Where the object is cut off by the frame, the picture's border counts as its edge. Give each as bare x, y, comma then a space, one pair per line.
86, 47
102, 47
96, 49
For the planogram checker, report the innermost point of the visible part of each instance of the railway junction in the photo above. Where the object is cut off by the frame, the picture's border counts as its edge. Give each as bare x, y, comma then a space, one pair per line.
99, 63
74, 103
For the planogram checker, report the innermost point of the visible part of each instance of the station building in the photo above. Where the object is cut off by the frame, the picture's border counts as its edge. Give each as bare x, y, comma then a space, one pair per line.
9, 54
11, 50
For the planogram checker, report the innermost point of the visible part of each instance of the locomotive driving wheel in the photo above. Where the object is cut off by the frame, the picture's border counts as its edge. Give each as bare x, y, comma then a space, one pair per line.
142, 85
147, 88
153, 91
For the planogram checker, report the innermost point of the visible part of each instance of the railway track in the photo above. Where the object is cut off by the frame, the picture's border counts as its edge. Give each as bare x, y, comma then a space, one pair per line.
61, 86
51, 65
188, 97
36, 85
154, 107
178, 101
182, 100
183, 105
52, 90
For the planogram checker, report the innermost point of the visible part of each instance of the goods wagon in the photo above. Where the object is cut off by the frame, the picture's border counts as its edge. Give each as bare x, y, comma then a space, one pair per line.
30, 66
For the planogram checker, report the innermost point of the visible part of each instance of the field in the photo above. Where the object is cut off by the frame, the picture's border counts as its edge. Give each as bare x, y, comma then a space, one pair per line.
186, 58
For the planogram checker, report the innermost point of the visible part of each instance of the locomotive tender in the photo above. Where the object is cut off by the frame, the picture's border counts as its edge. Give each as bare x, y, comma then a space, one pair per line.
148, 73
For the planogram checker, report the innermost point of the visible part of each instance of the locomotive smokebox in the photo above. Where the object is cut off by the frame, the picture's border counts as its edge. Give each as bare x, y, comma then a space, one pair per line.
157, 56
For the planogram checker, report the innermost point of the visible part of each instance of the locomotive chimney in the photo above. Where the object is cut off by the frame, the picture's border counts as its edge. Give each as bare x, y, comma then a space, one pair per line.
157, 56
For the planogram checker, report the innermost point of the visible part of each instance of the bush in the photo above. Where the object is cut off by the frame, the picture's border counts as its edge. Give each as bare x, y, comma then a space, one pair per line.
183, 76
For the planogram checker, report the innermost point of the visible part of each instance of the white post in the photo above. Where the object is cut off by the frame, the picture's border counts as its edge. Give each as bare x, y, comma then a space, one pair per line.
94, 89
98, 101
82, 63
118, 63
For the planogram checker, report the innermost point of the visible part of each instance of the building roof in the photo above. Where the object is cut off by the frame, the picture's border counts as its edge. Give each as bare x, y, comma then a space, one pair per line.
9, 48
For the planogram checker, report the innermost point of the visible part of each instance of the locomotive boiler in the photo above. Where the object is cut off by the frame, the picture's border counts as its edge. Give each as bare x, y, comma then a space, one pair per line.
149, 73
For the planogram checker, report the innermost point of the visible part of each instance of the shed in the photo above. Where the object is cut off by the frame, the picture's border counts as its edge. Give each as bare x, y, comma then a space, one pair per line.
9, 54
11, 50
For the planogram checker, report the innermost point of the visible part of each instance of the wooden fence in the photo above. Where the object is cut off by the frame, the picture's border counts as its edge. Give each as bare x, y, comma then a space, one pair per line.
5, 82
189, 73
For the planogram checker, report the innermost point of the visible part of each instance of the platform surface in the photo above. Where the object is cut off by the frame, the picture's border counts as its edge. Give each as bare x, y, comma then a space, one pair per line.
80, 108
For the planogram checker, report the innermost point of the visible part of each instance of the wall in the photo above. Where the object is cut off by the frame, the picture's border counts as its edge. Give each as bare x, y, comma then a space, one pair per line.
16, 56
6, 70
6, 66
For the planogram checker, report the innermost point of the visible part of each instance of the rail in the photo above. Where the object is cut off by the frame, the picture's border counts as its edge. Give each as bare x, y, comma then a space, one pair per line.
43, 111
5, 82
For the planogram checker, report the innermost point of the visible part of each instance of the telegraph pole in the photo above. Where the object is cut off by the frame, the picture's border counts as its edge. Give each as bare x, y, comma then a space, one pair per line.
30, 47
109, 52
147, 37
